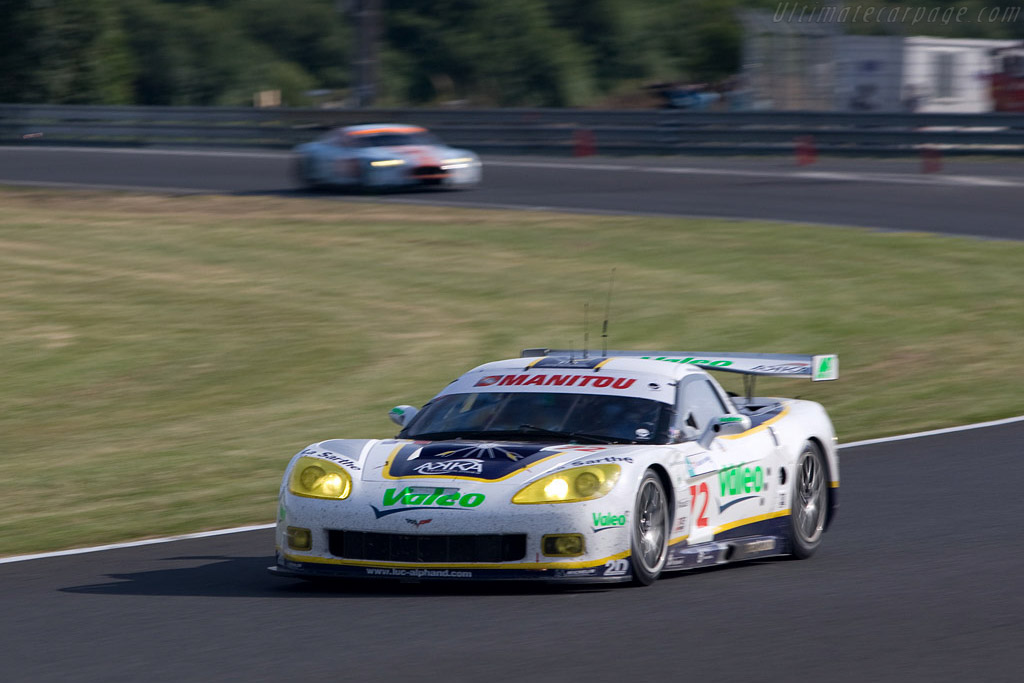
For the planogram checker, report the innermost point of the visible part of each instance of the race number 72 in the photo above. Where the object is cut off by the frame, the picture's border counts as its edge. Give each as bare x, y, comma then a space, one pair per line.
699, 496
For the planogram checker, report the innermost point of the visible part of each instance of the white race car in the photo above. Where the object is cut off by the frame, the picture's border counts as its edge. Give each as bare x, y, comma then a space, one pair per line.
385, 155
561, 466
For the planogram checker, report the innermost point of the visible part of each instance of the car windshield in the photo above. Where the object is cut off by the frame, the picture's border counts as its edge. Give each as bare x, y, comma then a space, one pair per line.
538, 416
394, 139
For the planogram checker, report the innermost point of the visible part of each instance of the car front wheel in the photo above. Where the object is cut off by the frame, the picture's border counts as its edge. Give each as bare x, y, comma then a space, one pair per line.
650, 530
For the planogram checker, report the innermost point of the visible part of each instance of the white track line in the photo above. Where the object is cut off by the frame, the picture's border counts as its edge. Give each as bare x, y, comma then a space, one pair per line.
934, 432
134, 544
242, 529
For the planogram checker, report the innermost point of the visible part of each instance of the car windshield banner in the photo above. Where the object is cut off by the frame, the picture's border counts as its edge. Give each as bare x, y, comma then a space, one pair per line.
653, 387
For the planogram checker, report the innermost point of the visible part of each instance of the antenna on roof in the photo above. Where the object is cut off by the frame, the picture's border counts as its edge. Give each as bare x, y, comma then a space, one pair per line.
586, 329
607, 314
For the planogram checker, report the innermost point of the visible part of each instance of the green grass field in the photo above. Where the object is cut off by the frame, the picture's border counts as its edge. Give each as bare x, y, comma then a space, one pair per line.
163, 357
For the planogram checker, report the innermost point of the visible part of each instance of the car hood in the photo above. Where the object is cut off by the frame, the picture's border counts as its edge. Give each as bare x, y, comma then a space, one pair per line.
481, 461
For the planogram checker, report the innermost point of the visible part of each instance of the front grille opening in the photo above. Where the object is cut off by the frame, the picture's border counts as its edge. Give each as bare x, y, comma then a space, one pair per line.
366, 545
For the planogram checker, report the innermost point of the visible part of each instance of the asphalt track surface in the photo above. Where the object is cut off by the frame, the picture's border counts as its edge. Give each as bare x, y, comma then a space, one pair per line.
919, 579
979, 198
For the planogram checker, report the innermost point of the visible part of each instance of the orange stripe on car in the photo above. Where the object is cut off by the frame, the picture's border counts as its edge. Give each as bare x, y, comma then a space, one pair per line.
404, 129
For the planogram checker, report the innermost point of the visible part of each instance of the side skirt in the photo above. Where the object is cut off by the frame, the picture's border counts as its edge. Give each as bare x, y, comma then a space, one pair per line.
720, 552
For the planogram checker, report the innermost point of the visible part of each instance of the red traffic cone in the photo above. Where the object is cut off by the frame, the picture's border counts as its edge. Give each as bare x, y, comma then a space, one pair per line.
583, 143
931, 160
806, 152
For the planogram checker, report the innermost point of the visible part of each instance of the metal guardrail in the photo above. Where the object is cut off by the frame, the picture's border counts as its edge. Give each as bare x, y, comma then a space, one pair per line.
541, 131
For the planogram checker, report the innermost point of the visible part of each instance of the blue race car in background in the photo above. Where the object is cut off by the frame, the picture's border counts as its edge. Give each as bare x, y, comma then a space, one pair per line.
385, 155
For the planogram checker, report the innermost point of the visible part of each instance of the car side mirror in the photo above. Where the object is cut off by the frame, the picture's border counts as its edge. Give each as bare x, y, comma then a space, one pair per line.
402, 415
724, 425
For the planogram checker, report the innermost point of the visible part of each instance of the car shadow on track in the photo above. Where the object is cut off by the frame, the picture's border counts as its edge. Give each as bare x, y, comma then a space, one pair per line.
247, 577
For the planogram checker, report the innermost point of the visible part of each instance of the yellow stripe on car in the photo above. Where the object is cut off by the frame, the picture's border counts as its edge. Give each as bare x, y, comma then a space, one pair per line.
750, 520
457, 565
764, 425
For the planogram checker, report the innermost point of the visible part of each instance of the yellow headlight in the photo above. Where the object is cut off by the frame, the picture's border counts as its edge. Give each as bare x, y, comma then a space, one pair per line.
299, 538
316, 478
563, 545
310, 476
556, 489
586, 484
387, 162
570, 486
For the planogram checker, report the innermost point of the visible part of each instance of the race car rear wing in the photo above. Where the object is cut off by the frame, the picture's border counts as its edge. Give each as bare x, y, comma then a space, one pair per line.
817, 368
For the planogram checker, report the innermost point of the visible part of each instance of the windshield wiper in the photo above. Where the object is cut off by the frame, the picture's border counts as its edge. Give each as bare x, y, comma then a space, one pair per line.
510, 434
467, 435
444, 436
593, 438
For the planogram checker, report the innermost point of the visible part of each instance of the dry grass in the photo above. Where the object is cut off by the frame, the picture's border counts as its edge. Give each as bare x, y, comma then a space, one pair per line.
164, 356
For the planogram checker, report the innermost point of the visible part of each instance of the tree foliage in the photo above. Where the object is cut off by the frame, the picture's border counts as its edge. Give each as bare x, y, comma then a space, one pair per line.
67, 52
482, 52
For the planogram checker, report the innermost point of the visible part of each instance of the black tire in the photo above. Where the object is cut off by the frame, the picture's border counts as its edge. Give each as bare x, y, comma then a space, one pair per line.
363, 184
300, 173
809, 503
650, 529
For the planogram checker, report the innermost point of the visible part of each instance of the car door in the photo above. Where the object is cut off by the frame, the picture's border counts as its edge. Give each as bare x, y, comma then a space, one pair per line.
728, 480
341, 160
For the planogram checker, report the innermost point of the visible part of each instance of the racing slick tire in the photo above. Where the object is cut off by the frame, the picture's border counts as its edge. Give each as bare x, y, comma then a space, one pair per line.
809, 507
650, 529
363, 184
300, 173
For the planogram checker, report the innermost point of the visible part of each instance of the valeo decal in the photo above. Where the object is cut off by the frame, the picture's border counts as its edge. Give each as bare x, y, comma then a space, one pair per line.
607, 521
415, 497
692, 361
734, 481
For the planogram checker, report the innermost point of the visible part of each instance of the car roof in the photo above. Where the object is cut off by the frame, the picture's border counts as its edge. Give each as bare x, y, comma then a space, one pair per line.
596, 363
565, 374
374, 128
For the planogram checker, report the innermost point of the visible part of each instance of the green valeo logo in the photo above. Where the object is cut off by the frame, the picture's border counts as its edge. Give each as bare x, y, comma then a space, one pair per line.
736, 480
607, 520
428, 496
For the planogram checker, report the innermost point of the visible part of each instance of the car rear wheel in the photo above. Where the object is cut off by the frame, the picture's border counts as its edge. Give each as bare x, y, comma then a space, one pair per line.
809, 503
650, 530
300, 172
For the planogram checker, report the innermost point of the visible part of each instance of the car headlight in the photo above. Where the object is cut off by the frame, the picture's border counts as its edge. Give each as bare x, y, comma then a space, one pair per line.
460, 162
316, 478
387, 162
570, 486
